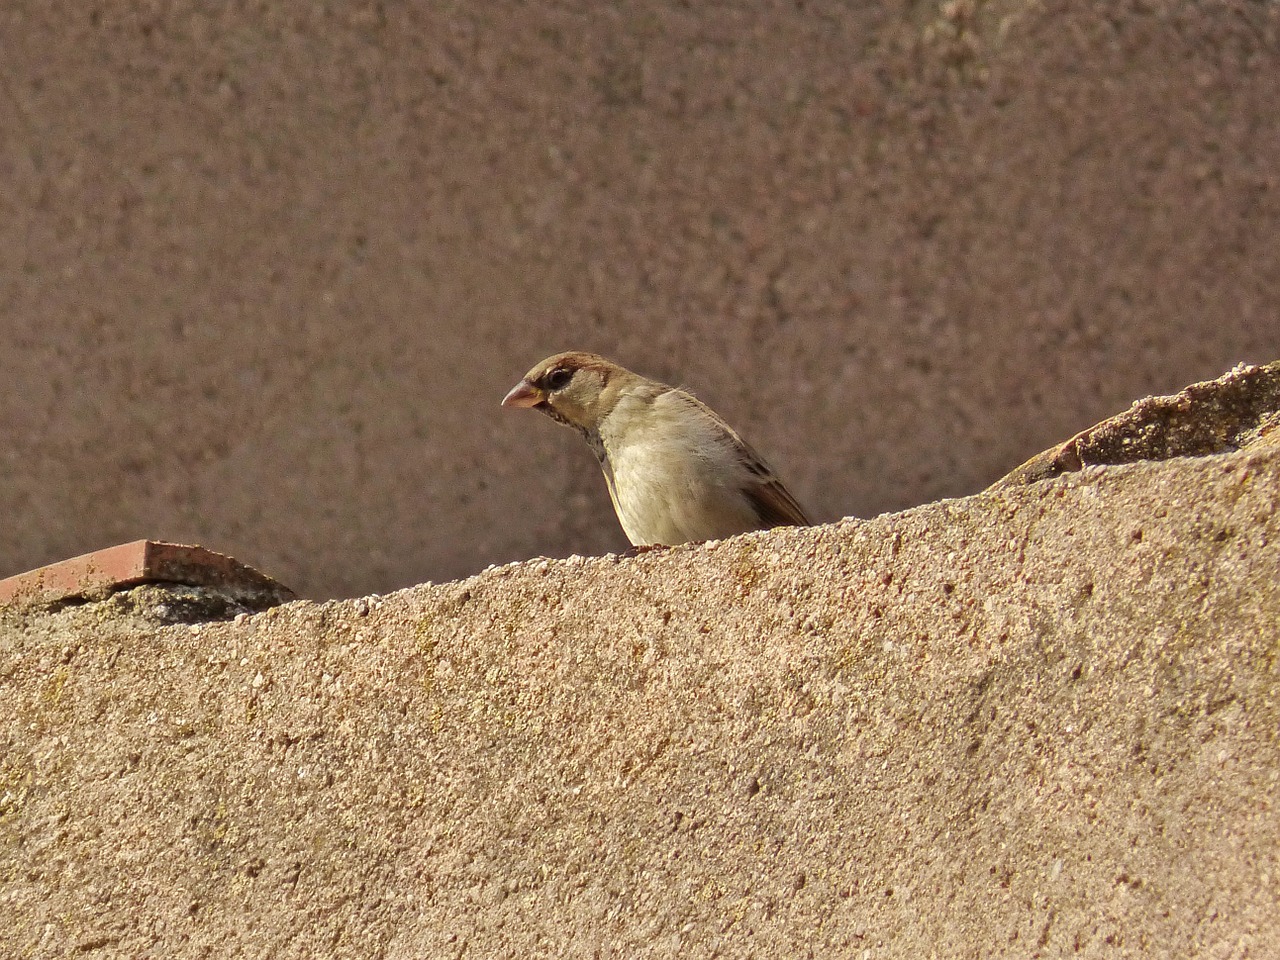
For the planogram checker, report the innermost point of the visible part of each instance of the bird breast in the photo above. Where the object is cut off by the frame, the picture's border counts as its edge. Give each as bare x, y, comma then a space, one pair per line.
674, 478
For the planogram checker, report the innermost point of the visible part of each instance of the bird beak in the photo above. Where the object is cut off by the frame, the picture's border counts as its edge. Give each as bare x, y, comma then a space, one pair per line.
523, 394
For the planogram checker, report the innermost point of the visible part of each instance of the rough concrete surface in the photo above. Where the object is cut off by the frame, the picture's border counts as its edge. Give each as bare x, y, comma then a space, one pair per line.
1043, 721
266, 269
1240, 410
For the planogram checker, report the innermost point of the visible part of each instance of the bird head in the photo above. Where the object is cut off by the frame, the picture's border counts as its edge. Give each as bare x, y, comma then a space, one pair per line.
572, 388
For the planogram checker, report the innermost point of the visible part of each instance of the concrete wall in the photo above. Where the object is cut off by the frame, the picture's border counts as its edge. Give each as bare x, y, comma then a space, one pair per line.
265, 271
1040, 722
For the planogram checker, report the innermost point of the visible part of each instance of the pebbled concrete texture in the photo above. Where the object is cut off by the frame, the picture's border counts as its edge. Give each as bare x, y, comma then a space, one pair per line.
266, 270
1037, 722
1240, 410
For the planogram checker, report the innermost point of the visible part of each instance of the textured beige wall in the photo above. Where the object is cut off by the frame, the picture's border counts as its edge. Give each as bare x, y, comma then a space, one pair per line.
266, 271
1041, 722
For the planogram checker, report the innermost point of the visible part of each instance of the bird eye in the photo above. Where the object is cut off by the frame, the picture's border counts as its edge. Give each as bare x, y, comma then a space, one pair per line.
559, 378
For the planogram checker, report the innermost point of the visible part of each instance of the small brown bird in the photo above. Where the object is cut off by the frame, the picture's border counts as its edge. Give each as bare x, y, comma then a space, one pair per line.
676, 472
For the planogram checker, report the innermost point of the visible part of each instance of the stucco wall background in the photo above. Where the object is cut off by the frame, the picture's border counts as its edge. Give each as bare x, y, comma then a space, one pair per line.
265, 272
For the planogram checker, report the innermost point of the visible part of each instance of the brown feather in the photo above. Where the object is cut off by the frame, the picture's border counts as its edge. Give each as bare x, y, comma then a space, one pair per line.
775, 505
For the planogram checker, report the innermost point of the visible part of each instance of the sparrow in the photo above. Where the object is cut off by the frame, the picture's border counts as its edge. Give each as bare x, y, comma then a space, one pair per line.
676, 472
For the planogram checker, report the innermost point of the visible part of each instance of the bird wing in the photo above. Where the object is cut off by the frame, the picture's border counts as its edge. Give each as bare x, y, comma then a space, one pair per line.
775, 504
772, 502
